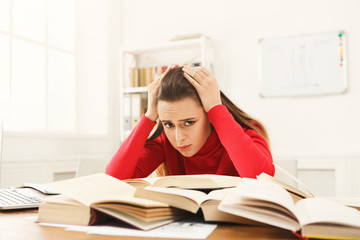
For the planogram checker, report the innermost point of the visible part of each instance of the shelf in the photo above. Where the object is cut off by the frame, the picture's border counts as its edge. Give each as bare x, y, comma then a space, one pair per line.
135, 90
167, 46
134, 99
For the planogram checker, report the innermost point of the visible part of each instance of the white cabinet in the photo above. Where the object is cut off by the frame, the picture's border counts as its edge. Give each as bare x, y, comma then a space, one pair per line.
37, 170
355, 167
142, 65
334, 177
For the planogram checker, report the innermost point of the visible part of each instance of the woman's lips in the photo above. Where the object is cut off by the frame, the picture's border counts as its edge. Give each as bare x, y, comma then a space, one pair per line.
184, 147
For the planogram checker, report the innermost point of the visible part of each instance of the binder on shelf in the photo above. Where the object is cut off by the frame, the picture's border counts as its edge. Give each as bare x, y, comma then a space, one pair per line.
143, 106
127, 112
135, 109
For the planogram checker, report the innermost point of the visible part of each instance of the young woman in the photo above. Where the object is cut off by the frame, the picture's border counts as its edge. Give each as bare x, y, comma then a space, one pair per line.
200, 131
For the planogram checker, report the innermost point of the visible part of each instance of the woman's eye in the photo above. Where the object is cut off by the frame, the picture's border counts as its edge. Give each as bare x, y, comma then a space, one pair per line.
189, 123
168, 125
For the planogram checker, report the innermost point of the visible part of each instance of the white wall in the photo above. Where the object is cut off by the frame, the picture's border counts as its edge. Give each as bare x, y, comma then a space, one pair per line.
319, 126
49, 154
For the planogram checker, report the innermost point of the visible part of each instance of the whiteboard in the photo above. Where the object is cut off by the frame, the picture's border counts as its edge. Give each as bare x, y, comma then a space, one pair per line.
303, 65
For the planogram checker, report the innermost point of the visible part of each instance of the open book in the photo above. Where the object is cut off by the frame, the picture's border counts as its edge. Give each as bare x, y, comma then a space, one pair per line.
353, 202
86, 200
295, 193
192, 201
200, 181
267, 202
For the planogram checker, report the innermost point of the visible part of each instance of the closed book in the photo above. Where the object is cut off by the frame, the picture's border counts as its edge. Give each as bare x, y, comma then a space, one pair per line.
142, 76
134, 77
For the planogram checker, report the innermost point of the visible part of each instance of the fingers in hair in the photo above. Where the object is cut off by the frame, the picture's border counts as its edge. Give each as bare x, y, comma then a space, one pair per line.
196, 73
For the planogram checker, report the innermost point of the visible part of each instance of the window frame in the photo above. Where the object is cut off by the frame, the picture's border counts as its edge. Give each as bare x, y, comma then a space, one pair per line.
45, 132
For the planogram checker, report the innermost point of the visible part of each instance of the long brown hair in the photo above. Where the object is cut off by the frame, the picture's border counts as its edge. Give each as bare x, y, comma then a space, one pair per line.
174, 87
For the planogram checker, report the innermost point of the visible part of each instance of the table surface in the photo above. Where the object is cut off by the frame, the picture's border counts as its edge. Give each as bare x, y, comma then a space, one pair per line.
20, 224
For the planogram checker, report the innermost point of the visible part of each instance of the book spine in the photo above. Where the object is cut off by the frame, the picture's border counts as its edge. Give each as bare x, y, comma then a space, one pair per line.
140, 77
97, 217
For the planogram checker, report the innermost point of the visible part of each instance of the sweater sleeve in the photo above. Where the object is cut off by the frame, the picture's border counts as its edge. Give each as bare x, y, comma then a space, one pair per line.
137, 158
247, 149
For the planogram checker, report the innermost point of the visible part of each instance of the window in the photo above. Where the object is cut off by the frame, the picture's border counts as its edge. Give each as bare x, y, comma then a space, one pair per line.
39, 70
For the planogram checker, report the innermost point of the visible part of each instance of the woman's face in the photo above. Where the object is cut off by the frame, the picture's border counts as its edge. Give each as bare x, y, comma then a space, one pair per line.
186, 125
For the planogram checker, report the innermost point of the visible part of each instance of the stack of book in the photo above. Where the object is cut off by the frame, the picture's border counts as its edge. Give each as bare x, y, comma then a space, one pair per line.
152, 202
141, 77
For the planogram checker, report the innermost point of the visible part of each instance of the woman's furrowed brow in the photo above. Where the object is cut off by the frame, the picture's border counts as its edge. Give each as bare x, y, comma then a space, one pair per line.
181, 120
187, 119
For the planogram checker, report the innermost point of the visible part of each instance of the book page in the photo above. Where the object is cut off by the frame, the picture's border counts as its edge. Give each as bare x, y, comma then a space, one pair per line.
217, 194
196, 196
238, 206
266, 191
261, 201
93, 188
148, 181
186, 199
353, 202
198, 181
265, 177
315, 210
134, 201
61, 199
135, 221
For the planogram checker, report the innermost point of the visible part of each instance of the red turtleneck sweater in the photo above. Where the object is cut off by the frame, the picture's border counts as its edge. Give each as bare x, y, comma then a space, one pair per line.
230, 150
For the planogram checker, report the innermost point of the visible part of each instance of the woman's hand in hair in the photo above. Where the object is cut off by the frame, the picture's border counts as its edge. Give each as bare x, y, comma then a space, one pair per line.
205, 84
153, 89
